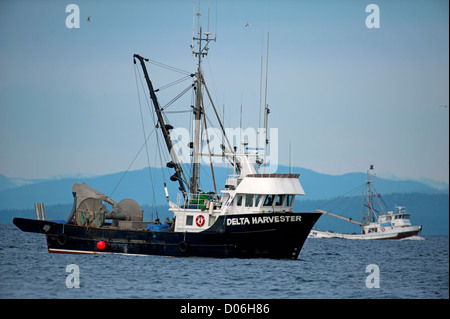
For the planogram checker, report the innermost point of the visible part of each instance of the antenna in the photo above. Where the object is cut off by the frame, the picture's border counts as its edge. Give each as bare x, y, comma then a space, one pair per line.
209, 8
260, 102
266, 108
240, 124
199, 37
290, 158
215, 29
193, 27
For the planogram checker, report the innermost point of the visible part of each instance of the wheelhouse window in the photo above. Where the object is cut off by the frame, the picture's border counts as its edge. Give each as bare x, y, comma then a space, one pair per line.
269, 200
189, 220
279, 201
239, 200
249, 200
258, 200
289, 199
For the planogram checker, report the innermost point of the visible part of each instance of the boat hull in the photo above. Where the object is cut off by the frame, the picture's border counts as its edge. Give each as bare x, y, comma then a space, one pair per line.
401, 234
277, 235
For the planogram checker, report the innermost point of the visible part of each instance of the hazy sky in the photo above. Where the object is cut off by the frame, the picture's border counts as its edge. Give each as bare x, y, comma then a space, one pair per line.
344, 95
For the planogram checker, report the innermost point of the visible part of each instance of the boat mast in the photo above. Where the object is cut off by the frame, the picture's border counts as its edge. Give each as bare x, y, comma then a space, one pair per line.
197, 114
200, 53
368, 217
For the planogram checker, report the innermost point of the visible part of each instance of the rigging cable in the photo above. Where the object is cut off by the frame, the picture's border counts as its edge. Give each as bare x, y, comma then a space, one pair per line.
185, 111
338, 201
174, 82
132, 162
177, 97
146, 145
171, 68
162, 114
378, 196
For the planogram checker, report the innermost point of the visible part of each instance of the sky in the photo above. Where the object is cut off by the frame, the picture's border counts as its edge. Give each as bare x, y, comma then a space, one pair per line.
343, 95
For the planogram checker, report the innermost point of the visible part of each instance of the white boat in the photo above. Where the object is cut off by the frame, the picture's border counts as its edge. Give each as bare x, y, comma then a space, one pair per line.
375, 224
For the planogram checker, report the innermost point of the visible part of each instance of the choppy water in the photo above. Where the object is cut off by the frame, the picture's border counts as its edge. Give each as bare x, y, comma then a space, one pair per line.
326, 268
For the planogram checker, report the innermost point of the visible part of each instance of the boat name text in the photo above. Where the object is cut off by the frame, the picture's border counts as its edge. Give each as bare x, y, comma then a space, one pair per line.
262, 220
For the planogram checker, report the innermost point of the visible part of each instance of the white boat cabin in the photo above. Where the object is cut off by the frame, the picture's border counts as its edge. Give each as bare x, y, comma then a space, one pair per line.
247, 193
389, 221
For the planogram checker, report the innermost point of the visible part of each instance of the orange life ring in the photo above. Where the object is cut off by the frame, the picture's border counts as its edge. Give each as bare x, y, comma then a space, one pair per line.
382, 229
200, 220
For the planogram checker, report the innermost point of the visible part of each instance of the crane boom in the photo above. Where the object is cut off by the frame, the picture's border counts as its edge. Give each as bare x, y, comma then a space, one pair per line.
337, 216
179, 174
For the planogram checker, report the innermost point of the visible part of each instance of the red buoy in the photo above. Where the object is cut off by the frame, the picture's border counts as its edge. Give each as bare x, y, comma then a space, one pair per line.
101, 245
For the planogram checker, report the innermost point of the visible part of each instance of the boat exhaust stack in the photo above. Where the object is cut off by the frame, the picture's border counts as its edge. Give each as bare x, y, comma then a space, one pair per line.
41, 214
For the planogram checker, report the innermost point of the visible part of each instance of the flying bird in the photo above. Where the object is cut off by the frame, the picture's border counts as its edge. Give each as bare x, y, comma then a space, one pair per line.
247, 25
89, 19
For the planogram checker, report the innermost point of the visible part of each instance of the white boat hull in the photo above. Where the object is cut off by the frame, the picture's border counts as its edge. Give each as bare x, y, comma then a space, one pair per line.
388, 233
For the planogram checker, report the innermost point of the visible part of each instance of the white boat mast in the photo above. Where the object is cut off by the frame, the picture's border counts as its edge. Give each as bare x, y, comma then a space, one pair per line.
367, 218
200, 53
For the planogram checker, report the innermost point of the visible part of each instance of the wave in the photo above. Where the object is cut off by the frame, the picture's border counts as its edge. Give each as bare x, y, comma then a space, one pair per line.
413, 238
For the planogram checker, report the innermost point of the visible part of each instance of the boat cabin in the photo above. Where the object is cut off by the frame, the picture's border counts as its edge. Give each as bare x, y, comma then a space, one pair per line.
391, 220
247, 193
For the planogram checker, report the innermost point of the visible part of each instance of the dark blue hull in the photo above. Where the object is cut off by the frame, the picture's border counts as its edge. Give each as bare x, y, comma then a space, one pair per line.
277, 235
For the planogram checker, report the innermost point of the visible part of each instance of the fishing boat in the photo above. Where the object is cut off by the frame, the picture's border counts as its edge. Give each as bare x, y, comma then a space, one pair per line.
251, 217
375, 224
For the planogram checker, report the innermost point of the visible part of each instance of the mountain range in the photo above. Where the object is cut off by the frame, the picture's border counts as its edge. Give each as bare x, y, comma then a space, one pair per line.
21, 194
422, 198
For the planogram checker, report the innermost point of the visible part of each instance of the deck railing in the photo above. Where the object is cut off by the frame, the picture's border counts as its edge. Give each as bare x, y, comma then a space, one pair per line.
200, 201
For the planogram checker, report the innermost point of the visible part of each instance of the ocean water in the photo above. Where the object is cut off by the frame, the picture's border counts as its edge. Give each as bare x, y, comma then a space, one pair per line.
326, 269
